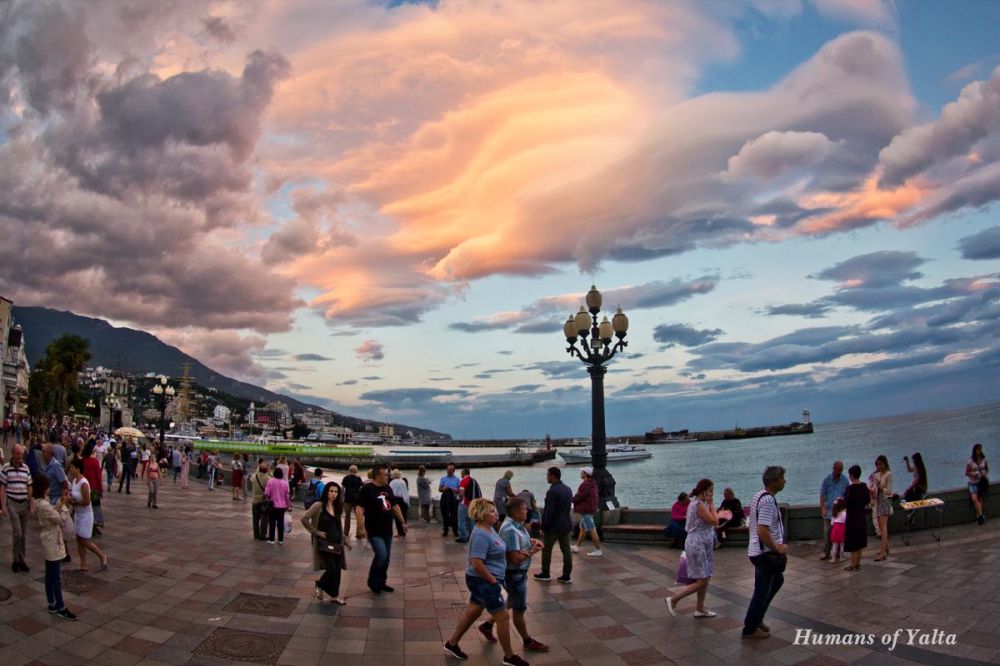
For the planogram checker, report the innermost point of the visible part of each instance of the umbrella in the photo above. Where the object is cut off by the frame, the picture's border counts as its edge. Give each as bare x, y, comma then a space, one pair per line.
129, 431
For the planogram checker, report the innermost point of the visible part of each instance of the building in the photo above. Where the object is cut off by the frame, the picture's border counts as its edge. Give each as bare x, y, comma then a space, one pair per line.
272, 416
221, 414
116, 404
386, 432
14, 380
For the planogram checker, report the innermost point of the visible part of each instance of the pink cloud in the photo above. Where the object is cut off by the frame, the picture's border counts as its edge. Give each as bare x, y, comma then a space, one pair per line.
369, 350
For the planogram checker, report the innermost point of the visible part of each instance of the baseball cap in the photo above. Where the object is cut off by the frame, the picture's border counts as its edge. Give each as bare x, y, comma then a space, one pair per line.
589, 471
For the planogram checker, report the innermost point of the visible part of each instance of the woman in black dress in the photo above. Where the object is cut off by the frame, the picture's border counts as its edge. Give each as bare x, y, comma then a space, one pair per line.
324, 520
857, 498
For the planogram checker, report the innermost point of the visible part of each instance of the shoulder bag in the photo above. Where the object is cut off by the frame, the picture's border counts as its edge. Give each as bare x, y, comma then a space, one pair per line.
773, 562
267, 504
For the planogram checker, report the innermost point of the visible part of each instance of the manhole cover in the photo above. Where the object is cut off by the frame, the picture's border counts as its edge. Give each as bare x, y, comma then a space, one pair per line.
4, 593
79, 582
243, 646
258, 604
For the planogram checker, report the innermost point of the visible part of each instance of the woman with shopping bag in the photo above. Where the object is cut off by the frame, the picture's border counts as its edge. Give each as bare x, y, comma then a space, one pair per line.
699, 549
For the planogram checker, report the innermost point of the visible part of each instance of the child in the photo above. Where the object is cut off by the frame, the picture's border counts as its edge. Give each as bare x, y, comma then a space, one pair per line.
838, 528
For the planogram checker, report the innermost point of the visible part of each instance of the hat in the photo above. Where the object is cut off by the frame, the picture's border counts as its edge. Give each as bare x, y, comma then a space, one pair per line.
589, 471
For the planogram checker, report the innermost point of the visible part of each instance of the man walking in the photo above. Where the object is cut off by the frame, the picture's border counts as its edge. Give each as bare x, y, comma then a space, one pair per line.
556, 526
376, 507
833, 486
585, 504
175, 461
258, 481
520, 548
15, 503
767, 536
128, 462
58, 484
352, 486
468, 490
449, 489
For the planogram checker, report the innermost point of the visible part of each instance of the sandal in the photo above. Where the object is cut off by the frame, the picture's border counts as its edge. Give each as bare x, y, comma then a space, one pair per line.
850, 567
880, 558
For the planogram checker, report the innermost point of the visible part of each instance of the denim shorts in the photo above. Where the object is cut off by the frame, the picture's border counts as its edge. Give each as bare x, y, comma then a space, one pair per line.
489, 596
516, 582
587, 522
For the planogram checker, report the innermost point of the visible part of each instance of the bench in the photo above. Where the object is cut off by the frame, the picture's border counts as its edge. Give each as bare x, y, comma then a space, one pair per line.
648, 532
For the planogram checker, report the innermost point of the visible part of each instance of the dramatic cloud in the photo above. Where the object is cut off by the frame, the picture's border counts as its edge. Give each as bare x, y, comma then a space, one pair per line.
681, 334
877, 269
227, 352
122, 187
369, 350
548, 314
984, 245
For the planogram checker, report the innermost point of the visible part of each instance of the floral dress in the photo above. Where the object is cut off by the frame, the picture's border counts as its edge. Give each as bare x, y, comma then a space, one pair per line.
699, 547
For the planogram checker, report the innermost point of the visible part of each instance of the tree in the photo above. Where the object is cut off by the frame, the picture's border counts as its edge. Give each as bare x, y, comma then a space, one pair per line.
54, 382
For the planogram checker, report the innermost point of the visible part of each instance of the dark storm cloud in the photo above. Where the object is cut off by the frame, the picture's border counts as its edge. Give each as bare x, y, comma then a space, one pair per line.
312, 357
113, 183
220, 29
371, 378
409, 396
681, 334
877, 269
984, 245
814, 310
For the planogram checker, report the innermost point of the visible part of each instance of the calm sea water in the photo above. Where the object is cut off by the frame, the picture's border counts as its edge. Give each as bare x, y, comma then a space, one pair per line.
944, 439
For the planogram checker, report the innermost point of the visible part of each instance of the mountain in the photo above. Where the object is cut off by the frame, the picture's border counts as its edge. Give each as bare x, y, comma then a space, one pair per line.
139, 352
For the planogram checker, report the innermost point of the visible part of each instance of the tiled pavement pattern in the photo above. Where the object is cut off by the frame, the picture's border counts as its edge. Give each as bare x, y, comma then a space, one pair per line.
185, 583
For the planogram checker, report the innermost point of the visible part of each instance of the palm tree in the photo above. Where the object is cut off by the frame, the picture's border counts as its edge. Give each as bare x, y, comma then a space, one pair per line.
59, 371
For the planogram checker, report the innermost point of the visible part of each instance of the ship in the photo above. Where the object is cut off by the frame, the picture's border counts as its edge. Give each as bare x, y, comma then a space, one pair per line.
659, 436
616, 453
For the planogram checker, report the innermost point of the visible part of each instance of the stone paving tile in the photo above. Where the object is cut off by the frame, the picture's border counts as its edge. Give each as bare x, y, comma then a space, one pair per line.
174, 573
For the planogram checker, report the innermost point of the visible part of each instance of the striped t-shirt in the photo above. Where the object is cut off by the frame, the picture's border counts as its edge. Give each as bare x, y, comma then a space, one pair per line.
16, 480
764, 511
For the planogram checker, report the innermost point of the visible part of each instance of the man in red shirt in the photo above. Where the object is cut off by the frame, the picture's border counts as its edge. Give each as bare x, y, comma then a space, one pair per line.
468, 489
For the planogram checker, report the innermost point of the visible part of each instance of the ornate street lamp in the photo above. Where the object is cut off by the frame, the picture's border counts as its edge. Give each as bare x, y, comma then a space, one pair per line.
112, 403
163, 392
90, 408
595, 353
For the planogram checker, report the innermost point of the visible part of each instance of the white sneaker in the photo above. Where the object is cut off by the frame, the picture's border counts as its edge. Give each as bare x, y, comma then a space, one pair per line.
670, 606
574, 549
595, 553
705, 613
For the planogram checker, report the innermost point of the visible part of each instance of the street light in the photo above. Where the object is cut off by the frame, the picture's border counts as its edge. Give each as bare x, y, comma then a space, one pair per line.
595, 353
163, 392
90, 408
113, 405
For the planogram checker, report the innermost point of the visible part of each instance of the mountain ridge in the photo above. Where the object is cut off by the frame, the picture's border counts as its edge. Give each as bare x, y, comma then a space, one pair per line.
138, 352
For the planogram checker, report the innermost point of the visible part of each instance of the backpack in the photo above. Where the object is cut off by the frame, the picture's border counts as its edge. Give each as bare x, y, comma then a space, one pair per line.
312, 493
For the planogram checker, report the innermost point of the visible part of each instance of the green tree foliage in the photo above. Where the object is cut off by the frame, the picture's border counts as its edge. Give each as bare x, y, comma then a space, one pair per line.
54, 382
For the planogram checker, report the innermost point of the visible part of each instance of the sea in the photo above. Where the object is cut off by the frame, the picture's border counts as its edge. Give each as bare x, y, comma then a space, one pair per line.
943, 438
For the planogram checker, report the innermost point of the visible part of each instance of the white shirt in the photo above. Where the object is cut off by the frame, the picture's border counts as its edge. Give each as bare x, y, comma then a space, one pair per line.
769, 516
400, 490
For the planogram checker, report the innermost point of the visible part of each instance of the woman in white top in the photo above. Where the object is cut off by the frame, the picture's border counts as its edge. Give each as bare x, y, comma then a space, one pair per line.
83, 515
880, 487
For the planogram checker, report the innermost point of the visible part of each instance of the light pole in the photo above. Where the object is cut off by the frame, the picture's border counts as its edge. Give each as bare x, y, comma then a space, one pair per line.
163, 392
112, 404
90, 408
595, 354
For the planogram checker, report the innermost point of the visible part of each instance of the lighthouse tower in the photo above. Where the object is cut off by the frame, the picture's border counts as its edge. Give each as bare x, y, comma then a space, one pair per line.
806, 418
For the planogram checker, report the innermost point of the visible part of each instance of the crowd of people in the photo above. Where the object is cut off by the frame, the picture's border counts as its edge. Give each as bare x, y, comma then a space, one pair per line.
62, 476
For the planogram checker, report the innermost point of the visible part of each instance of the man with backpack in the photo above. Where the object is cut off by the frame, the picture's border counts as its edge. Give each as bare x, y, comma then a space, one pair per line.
468, 489
315, 488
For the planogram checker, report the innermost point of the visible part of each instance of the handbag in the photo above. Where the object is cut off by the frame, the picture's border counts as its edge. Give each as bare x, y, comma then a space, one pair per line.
267, 504
682, 571
982, 486
330, 547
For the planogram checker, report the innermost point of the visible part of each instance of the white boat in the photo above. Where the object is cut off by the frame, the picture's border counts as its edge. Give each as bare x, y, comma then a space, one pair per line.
615, 453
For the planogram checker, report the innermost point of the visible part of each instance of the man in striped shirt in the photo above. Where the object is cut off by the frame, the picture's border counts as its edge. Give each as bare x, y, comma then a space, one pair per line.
15, 503
767, 534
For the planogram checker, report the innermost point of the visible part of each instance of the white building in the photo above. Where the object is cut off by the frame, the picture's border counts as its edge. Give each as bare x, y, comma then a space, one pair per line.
221, 414
14, 380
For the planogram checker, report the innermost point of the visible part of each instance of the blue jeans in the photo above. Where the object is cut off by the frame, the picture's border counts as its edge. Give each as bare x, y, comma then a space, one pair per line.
53, 584
765, 585
378, 573
463, 521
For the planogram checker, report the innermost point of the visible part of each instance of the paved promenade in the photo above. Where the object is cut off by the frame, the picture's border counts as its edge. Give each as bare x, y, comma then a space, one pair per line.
188, 585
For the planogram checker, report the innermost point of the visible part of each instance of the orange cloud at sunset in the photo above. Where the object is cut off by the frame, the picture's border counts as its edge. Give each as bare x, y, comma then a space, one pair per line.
863, 207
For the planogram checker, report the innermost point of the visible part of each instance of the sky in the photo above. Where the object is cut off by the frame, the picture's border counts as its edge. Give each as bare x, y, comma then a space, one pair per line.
390, 208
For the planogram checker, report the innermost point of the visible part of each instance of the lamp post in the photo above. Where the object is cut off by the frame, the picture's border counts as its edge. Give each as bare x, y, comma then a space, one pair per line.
90, 408
163, 392
112, 404
595, 353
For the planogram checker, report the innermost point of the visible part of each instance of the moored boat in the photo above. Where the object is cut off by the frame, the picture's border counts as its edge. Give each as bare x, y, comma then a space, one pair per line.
616, 453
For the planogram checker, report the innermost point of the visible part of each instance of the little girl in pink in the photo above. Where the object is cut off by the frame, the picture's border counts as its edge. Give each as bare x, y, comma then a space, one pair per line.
838, 528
